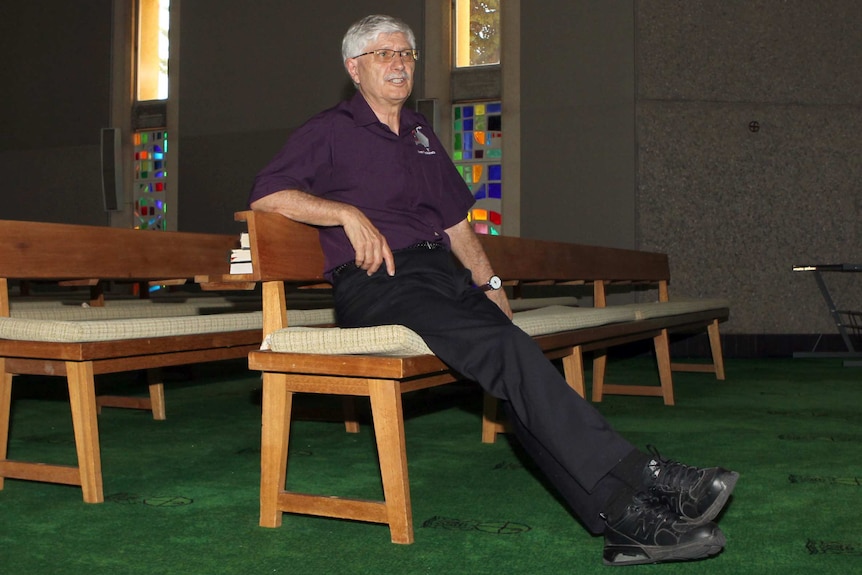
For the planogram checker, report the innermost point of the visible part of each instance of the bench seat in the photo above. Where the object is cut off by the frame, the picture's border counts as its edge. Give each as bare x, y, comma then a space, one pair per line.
138, 327
675, 307
126, 309
527, 303
397, 340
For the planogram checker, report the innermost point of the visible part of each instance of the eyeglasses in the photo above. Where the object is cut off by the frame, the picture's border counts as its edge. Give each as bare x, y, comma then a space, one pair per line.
389, 55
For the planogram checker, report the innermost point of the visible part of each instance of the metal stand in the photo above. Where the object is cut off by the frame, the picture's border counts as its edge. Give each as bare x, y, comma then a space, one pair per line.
844, 319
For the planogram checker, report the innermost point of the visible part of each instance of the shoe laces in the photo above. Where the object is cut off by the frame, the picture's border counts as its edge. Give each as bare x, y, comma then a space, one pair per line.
669, 473
652, 508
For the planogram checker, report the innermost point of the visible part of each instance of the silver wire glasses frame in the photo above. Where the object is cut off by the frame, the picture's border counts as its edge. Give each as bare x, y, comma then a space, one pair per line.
409, 55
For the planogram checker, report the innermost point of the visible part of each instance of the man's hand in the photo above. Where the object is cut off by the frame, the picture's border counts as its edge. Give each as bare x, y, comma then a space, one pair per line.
468, 250
370, 245
372, 249
500, 298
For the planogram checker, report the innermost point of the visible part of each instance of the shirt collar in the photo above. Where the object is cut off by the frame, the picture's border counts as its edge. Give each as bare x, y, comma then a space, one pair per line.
363, 115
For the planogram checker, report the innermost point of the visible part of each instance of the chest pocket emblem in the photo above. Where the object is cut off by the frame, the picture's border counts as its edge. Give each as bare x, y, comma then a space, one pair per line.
422, 142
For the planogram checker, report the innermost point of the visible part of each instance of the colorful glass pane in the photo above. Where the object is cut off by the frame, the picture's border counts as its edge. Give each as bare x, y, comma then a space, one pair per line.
478, 169
478, 152
151, 179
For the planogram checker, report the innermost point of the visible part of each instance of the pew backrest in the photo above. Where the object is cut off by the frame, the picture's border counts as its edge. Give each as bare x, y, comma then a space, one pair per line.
40, 250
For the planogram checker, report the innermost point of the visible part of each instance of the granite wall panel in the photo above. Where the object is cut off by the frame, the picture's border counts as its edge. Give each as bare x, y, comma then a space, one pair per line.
749, 117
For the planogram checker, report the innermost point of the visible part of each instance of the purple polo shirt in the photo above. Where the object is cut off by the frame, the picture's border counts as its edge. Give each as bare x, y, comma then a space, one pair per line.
405, 184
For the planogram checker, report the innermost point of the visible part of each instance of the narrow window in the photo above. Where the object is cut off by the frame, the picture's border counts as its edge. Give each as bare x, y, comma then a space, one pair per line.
153, 49
150, 135
477, 33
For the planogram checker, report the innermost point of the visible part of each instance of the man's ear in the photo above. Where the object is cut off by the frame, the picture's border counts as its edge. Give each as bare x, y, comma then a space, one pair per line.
352, 69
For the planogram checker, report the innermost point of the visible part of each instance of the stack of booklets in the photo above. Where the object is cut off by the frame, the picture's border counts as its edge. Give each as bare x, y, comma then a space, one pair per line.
240, 259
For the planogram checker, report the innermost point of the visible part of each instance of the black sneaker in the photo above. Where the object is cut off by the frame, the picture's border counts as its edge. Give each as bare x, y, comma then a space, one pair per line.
648, 532
696, 495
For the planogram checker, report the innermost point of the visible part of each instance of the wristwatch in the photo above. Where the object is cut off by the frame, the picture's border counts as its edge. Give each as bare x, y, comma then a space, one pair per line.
494, 283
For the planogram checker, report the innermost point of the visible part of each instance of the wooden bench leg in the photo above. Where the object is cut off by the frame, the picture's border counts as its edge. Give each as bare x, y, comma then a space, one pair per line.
155, 403
662, 353
82, 399
351, 419
155, 383
600, 362
573, 368
275, 434
717, 366
392, 451
491, 425
5, 411
715, 347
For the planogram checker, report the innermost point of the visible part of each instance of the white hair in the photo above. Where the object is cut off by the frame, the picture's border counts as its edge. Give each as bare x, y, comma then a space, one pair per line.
365, 31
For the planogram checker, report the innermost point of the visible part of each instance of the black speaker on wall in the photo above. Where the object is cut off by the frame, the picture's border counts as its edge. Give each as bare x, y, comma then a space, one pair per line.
112, 172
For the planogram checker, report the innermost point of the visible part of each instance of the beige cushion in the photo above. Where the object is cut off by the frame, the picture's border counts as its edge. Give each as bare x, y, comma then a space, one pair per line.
554, 319
87, 313
523, 304
676, 307
117, 329
397, 340
394, 340
64, 331
297, 317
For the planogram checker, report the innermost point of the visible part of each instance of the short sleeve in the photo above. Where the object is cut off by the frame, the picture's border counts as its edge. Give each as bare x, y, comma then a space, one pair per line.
306, 153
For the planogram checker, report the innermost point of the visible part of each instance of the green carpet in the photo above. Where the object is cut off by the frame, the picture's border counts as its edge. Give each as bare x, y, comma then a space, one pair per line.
182, 494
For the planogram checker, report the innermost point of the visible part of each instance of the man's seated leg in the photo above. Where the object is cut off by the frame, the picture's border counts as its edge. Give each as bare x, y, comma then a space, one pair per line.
628, 506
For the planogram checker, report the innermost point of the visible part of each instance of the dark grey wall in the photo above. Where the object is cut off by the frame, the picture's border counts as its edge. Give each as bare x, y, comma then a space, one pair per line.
55, 96
248, 78
577, 122
736, 208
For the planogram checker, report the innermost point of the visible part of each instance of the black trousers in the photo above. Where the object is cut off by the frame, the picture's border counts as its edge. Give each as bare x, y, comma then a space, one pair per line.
570, 441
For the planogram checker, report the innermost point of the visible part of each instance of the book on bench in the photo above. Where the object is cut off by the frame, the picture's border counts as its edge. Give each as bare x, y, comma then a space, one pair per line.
240, 259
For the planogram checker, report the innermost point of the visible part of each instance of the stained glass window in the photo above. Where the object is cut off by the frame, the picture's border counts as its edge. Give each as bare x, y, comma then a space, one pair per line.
151, 163
477, 134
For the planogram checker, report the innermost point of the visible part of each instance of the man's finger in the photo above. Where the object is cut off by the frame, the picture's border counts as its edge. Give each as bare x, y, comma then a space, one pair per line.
390, 260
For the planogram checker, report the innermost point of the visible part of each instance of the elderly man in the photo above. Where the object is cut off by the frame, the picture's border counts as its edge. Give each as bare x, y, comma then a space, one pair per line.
391, 209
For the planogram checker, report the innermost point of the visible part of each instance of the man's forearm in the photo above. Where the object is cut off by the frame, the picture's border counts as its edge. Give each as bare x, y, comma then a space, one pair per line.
371, 247
466, 247
468, 250
303, 207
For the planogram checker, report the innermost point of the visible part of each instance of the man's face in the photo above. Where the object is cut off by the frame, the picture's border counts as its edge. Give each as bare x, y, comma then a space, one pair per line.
383, 81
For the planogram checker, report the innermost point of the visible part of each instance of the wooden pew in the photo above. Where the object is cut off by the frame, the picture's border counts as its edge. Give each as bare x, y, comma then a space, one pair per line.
45, 251
286, 252
551, 263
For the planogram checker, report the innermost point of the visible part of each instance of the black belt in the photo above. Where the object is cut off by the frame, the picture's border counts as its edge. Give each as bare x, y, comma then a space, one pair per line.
426, 245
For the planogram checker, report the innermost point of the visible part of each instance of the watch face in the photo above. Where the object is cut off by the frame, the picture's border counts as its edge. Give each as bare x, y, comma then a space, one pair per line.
495, 282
